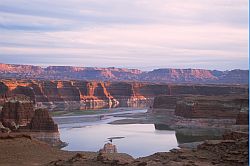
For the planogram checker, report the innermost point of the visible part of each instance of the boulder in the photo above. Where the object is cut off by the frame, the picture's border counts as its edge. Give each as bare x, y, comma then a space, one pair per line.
4, 129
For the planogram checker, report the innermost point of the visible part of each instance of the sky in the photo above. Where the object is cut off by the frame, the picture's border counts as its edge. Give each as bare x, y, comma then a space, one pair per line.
143, 34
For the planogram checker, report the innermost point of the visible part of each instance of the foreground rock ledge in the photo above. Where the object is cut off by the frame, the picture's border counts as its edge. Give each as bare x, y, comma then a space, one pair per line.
21, 149
228, 152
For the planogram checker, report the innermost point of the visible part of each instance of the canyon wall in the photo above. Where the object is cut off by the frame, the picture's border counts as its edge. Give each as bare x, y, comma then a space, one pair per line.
22, 116
16, 113
108, 94
214, 107
192, 111
42, 121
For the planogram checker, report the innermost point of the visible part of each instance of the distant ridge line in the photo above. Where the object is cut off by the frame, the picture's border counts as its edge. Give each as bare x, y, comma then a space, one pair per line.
162, 75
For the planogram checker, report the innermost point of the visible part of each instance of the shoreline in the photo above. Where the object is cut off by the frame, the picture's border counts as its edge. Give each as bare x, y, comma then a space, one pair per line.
18, 149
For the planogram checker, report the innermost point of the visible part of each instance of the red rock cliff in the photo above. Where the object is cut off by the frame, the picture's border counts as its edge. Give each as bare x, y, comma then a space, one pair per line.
20, 115
215, 107
41, 121
168, 75
61, 91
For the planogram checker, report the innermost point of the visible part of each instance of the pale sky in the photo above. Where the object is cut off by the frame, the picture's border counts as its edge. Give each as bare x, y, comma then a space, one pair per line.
143, 34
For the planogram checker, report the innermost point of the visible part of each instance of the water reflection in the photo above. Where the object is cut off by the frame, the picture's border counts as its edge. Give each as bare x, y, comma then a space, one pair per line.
140, 139
197, 135
188, 135
94, 104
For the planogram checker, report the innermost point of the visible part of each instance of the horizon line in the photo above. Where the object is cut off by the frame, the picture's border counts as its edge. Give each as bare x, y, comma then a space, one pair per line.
46, 66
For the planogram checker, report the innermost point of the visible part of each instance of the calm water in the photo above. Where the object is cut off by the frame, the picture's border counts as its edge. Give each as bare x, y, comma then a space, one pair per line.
90, 133
140, 139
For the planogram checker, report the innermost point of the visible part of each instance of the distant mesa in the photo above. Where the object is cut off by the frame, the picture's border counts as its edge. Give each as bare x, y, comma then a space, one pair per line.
167, 75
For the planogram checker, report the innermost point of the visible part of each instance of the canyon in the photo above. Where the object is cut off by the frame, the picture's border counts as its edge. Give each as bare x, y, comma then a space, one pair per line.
167, 75
57, 95
192, 104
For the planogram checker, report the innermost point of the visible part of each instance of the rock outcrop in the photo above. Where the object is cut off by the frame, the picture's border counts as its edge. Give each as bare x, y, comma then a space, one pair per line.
214, 107
16, 113
196, 111
197, 106
108, 148
22, 116
168, 75
41, 121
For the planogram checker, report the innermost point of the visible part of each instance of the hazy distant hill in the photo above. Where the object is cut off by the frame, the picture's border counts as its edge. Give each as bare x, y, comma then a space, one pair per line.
123, 74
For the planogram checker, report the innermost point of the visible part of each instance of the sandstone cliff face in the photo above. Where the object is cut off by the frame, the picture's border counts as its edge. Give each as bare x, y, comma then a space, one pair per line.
168, 75
41, 121
180, 75
16, 113
189, 111
176, 93
210, 107
21, 116
166, 102
28, 69
108, 93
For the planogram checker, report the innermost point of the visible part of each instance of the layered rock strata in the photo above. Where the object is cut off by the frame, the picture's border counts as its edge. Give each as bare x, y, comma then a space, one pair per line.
22, 116
201, 111
16, 113
89, 94
242, 118
211, 107
42, 121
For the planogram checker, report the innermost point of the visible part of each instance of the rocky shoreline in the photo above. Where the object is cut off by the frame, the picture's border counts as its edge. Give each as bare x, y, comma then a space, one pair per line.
232, 150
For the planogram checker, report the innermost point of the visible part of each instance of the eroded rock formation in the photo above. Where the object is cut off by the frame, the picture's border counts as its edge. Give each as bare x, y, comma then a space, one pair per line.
17, 113
214, 107
108, 148
22, 116
188, 111
106, 94
41, 121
